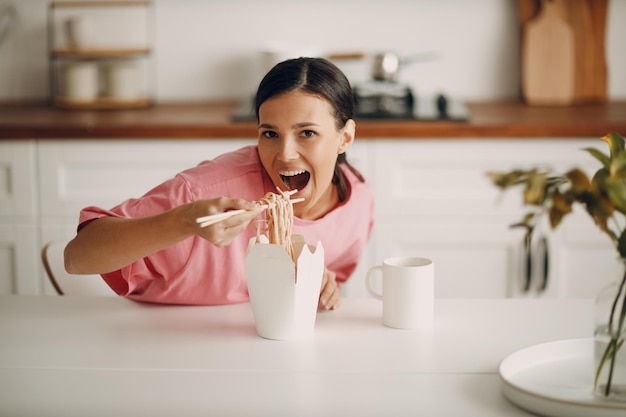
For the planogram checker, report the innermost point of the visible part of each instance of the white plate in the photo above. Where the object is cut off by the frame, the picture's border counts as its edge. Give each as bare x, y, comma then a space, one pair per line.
556, 379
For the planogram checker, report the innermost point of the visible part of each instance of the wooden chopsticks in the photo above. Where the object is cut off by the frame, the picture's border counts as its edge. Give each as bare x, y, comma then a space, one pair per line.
218, 217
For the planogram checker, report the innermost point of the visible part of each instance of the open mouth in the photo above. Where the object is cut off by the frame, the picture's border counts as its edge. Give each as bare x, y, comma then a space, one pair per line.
295, 180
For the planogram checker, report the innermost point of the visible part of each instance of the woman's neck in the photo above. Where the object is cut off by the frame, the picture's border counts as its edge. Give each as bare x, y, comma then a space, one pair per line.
325, 204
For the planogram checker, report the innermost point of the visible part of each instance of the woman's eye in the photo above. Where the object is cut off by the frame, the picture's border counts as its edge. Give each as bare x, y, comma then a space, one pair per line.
308, 133
269, 134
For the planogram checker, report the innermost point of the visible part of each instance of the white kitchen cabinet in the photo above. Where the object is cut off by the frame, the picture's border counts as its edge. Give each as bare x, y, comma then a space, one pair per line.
435, 200
585, 260
19, 222
20, 265
471, 260
18, 186
74, 174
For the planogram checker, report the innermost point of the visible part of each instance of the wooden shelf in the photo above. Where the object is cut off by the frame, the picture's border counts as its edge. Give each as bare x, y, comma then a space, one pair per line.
102, 103
136, 52
75, 4
100, 53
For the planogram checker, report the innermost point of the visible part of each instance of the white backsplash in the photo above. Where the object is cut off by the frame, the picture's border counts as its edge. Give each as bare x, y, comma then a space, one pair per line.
212, 49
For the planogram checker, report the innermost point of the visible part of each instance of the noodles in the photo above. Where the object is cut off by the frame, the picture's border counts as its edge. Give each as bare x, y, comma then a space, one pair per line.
279, 219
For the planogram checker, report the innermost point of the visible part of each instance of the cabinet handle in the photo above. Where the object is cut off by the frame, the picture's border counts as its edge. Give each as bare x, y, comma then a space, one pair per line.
546, 266
529, 268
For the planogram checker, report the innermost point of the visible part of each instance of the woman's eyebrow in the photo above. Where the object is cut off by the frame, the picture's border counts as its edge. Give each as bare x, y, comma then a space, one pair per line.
304, 124
296, 126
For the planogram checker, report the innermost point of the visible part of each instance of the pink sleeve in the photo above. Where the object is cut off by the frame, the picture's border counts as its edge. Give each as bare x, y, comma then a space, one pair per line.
132, 278
91, 213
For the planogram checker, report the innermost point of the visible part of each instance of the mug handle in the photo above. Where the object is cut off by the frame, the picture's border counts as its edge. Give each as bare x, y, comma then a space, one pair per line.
369, 281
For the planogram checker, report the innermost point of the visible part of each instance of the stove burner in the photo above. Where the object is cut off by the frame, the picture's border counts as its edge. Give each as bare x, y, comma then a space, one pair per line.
383, 100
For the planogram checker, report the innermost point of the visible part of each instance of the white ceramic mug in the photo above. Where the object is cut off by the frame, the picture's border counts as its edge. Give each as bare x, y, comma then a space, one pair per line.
408, 291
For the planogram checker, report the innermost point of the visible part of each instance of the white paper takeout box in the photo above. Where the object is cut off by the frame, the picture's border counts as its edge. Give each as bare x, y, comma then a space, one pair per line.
284, 298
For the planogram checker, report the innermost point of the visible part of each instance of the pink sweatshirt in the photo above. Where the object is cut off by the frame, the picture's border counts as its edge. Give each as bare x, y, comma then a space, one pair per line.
194, 271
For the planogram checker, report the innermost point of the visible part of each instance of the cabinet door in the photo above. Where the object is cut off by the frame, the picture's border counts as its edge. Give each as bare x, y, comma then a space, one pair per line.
435, 199
587, 261
471, 260
77, 174
415, 177
19, 256
441, 177
18, 192
20, 260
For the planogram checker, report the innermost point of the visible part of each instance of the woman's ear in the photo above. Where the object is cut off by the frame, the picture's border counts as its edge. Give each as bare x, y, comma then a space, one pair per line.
347, 136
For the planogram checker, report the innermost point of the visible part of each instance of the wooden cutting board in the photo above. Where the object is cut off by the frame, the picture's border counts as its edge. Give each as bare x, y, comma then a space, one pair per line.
587, 18
548, 59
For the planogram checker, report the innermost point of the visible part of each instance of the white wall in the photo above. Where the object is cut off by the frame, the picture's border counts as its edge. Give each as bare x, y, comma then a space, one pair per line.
211, 49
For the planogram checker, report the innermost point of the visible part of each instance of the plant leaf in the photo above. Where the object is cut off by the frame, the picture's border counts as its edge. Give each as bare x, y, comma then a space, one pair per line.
579, 180
616, 191
600, 209
597, 202
561, 205
617, 166
528, 222
600, 156
505, 180
616, 143
535, 192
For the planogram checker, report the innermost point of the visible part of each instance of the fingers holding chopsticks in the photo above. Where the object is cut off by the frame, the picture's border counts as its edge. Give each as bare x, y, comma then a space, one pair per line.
226, 218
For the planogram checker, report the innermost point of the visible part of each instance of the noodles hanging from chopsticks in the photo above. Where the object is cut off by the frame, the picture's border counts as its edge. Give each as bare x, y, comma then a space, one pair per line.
279, 219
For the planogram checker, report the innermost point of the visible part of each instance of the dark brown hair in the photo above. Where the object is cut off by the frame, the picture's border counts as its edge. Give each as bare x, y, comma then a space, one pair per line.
319, 77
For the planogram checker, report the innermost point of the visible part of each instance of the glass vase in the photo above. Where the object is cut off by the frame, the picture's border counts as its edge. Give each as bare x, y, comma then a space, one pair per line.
609, 333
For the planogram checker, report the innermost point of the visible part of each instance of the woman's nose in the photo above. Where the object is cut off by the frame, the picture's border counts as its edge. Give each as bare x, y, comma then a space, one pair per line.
288, 150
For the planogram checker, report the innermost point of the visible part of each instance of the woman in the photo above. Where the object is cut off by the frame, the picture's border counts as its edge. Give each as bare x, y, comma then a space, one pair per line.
151, 249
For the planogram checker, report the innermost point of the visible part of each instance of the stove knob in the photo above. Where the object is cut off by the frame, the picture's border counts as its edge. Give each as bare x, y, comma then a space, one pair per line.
442, 106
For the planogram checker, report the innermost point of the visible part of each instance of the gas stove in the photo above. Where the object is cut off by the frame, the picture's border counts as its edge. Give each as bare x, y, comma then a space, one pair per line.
383, 100
389, 100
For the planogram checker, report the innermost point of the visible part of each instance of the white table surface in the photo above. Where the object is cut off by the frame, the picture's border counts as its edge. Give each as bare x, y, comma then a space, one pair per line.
108, 356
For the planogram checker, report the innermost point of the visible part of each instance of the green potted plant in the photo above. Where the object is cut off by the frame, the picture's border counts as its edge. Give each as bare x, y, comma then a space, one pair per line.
604, 199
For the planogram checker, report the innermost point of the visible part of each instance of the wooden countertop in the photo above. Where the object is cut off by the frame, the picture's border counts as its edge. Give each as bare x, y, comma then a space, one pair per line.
212, 120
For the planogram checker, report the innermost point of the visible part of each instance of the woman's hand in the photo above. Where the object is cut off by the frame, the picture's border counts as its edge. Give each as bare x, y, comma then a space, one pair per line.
330, 298
223, 232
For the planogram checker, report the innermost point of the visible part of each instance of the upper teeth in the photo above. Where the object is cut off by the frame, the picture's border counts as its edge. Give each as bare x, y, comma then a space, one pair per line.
291, 173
